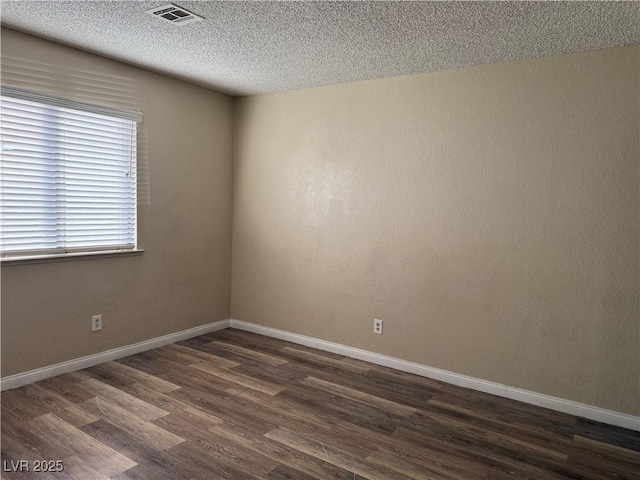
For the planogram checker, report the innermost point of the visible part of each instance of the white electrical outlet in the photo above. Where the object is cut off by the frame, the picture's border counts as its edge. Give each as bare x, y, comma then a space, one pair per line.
377, 326
96, 323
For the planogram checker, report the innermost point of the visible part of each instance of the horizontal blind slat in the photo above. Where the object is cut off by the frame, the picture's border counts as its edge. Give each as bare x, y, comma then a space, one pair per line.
67, 178
19, 95
39, 118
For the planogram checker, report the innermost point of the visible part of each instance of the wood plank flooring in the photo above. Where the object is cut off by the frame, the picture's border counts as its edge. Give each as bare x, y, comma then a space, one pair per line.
234, 405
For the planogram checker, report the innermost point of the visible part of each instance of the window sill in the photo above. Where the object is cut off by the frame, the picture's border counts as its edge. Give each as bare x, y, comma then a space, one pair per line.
65, 257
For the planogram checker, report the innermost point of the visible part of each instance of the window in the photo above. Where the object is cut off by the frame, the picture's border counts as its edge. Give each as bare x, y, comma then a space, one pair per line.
67, 177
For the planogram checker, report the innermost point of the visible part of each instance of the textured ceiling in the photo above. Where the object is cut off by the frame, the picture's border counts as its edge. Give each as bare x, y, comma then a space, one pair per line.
245, 48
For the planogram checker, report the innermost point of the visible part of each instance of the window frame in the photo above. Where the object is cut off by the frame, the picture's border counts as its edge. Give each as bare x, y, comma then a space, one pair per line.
90, 251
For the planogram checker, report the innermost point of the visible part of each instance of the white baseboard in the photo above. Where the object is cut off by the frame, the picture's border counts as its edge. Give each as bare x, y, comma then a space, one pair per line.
19, 379
554, 403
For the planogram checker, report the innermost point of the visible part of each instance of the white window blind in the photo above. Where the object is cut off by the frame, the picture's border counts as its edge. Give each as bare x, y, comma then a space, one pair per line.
67, 176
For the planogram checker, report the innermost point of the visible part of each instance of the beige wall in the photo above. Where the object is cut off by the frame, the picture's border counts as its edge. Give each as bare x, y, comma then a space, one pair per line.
489, 215
182, 278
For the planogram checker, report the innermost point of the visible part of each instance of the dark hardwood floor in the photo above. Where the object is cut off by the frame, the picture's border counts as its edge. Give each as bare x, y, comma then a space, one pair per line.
234, 405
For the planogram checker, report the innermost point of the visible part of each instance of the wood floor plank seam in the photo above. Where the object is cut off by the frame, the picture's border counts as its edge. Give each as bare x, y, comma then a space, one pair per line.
235, 405
365, 398
247, 352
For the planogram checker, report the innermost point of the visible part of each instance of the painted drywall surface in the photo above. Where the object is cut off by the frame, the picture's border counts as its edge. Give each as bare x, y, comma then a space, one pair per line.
182, 278
488, 215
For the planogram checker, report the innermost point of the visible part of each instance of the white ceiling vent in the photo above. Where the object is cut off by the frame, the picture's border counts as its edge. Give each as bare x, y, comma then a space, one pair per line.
174, 14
